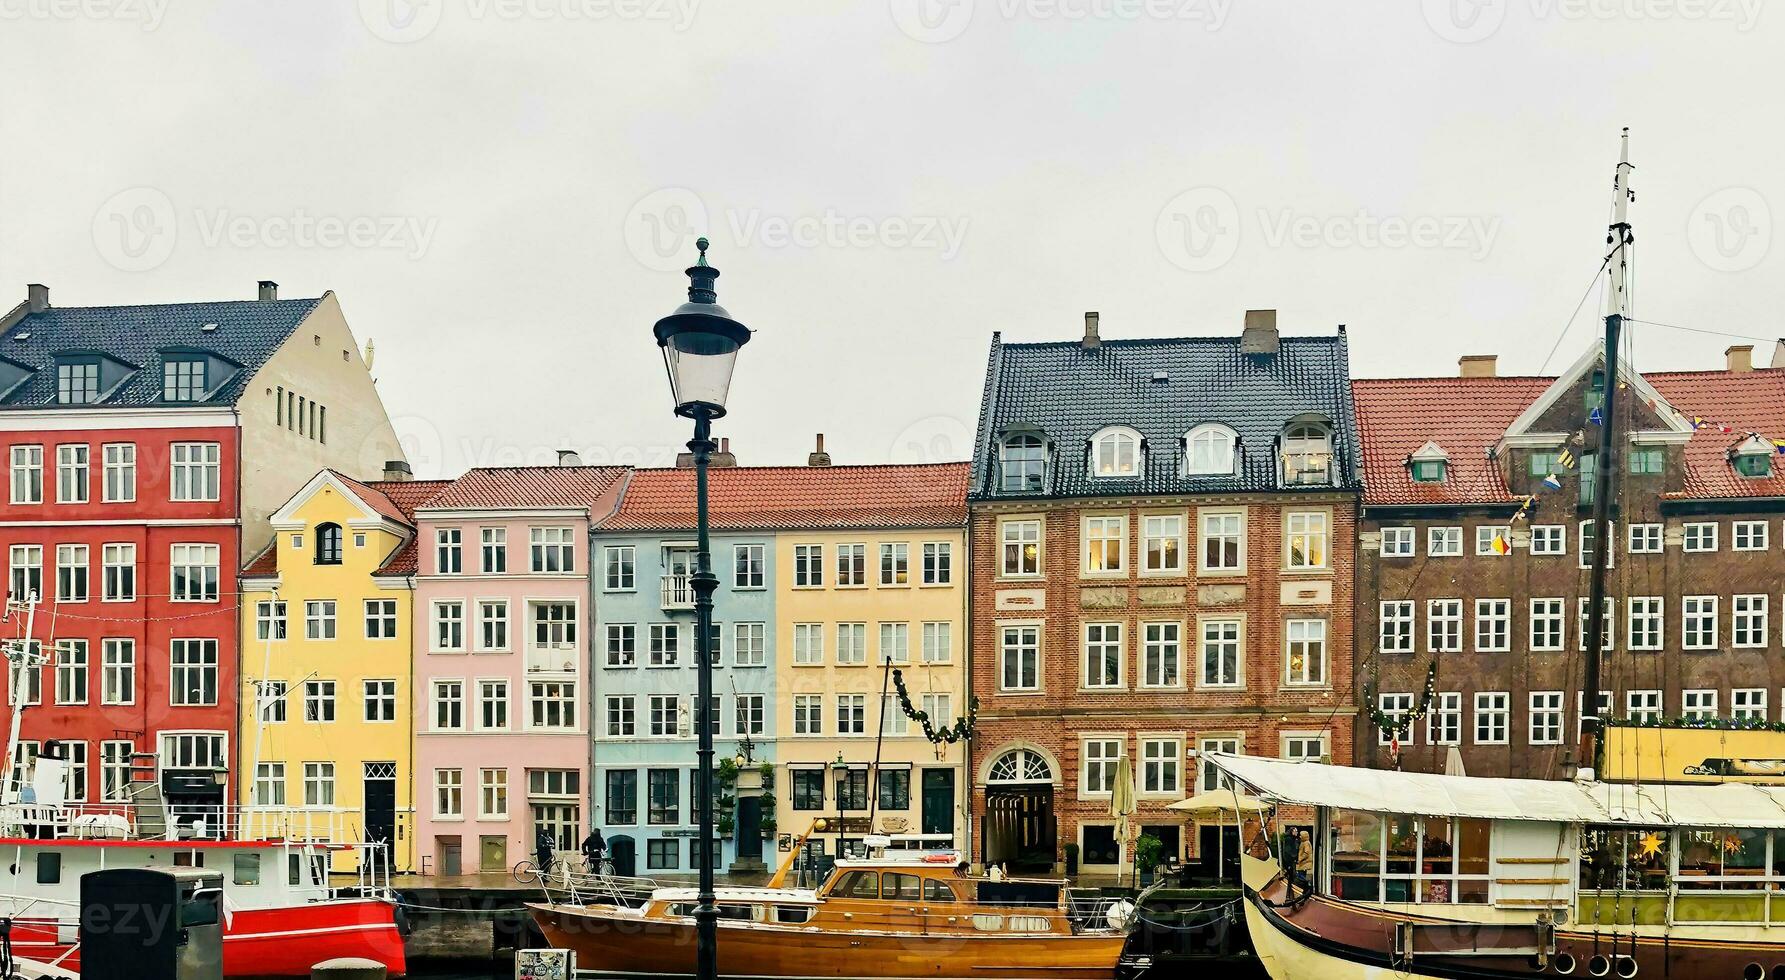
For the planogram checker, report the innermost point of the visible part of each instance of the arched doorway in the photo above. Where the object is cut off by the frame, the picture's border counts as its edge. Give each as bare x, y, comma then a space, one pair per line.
1019, 812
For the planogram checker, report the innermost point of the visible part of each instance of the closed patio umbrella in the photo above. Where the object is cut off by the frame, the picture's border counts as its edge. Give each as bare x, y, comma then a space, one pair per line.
1122, 806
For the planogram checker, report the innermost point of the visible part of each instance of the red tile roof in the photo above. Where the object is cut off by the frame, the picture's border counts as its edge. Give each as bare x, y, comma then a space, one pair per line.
1747, 401
787, 498
405, 496
394, 499
521, 487
1466, 416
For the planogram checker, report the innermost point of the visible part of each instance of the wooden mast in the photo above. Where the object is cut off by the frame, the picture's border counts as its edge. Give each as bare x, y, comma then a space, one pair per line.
1605, 460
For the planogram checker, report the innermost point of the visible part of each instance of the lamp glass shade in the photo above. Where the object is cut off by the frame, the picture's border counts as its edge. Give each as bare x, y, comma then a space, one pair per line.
700, 349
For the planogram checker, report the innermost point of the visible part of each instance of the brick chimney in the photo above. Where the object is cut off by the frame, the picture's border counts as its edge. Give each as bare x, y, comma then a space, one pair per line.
1092, 341
398, 471
269, 291
37, 297
1260, 335
818, 456
1739, 360
1478, 365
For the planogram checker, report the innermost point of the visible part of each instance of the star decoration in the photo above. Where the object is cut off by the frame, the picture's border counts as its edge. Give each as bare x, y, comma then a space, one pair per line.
1650, 843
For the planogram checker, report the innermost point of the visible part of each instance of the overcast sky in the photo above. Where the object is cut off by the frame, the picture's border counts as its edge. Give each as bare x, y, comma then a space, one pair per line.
502, 192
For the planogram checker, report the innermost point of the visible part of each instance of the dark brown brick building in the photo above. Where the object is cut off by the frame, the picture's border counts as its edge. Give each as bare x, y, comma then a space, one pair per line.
1162, 536
1696, 561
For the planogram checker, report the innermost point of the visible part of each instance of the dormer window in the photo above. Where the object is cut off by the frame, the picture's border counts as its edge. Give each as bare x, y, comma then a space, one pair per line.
1022, 464
1115, 453
1753, 458
1307, 454
328, 544
1208, 451
1595, 393
77, 383
1429, 465
183, 380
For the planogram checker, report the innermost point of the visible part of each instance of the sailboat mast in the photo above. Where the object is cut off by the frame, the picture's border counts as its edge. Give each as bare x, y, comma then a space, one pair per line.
1605, 461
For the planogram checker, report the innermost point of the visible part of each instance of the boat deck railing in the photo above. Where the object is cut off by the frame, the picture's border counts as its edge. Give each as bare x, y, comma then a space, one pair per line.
178, 821
57, 920
567, 886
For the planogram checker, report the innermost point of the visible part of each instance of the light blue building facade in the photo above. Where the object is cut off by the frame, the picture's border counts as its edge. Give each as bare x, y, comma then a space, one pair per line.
644, 779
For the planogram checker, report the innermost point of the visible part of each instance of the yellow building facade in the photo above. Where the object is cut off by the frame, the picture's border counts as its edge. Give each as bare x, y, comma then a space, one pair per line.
850, 608
326, 620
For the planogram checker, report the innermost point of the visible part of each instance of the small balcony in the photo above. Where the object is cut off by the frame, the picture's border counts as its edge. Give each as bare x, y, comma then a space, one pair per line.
1307, 469
678, 592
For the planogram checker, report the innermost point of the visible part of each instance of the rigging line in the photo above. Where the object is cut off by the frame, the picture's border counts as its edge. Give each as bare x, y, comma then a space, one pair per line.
1544, 369
1701, 330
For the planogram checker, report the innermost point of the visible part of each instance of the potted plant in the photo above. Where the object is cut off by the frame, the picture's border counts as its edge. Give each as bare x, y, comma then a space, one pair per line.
727, 823
767, 824
768, 775
1147, 852
727, 772
1071, 859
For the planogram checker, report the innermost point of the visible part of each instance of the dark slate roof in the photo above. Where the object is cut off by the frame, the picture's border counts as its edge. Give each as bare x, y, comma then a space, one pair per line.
1071, 393
248, 333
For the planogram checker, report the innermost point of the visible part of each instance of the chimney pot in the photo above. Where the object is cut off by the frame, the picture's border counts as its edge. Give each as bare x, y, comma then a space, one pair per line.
569, 457
1740, 359
1260, 333
1778, 353
818, 456
37, 297
1478, 365
1092, 341
398, 471
269, 291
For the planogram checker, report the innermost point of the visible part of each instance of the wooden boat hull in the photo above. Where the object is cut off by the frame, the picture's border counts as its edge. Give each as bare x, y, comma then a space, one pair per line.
1330, 940
619, 942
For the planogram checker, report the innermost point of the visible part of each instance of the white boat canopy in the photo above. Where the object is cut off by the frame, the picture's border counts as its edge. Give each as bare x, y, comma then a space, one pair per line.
1731, 805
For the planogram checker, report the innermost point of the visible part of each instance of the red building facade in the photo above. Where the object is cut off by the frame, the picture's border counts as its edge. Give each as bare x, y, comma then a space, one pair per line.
136, 584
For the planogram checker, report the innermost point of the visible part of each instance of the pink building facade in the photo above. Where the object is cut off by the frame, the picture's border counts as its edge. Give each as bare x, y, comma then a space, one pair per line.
503, 612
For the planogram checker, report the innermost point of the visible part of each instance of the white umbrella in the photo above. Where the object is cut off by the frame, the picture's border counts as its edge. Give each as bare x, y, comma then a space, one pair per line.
1453, 763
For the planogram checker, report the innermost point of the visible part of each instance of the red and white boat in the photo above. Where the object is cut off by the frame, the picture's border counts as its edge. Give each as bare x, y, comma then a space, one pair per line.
281, 915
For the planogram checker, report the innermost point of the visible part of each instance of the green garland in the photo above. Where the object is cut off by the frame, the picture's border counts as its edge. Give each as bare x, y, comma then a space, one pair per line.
1400, 727
1703, 724
961, 729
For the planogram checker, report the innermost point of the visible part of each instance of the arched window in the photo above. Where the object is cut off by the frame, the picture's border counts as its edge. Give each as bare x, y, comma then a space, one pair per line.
1020, 766
1208, 450
1307, 454
1115, 453
328, 544
1024, 464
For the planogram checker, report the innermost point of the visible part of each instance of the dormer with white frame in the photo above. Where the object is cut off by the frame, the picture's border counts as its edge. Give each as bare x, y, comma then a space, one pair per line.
1118, 452
1753, 457
1430, 464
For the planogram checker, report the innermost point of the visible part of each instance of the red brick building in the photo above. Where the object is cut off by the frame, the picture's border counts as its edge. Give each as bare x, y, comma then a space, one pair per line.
1695, 564
1161, 536
144, 446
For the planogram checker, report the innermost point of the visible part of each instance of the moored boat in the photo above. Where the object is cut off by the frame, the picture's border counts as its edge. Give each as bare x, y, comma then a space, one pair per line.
900, 914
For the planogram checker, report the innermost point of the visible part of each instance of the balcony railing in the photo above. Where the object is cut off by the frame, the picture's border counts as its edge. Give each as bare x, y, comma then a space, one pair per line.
1307, 469
678, 593
181, 821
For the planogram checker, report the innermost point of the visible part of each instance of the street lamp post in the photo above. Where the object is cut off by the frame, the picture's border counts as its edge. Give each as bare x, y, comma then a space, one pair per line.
700, 343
